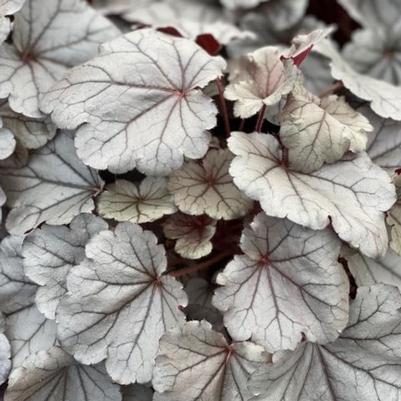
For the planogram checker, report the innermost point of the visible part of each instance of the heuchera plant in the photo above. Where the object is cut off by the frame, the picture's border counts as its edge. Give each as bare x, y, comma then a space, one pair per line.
201, 201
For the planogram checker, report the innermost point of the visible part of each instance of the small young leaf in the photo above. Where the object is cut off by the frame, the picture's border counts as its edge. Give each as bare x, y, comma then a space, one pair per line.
287, 283
197, 363
262, 79
142, 102
193, 234
120, 303
364, 364
137, 203
207, 188
352, 195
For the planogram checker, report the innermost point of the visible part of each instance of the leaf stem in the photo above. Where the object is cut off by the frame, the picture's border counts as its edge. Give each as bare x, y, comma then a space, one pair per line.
201, 266
261, 119
223, 107
331, 89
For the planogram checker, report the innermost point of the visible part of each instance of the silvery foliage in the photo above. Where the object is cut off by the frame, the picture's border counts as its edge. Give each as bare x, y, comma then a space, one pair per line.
203, 206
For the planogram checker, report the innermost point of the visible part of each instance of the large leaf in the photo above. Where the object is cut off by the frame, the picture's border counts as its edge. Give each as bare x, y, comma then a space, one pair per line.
192, 234
29, 332
137, 203
190, 18
376, 54
54, 375
384, 142
394, 219
16, 291
120, 303
51, 252
287, 284
207, 188
142, 101
54, 186
352, 195
47, 41
385, 98
364, 364
384, 270
197, 363
31, 133
320, 131
261, 79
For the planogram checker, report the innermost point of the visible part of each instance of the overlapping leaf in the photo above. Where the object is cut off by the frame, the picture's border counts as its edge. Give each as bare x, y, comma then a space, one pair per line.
384, 142
376, 54
51, 252
190, 18
351, 195
16, 291
364, 364
197, 363
120, 303
384, 98
261, 79
192, 234
138, 203
141, 99
7, 141
7, 8
53, 374
320, 131
287, 283
31, 133
5, 353
54, 186
208, 188
384, 270
29, 332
